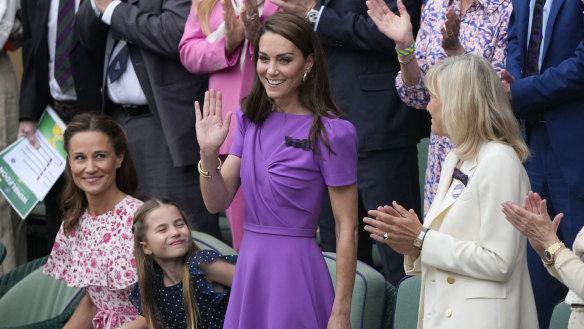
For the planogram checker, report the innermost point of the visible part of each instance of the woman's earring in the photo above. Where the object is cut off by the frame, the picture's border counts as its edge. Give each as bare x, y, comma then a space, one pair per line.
304, 77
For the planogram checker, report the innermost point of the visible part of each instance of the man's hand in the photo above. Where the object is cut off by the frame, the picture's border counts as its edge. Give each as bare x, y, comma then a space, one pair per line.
28, 129
296, 7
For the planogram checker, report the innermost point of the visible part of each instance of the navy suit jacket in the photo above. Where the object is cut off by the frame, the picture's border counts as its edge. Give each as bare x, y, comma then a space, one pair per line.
152, 30
558, 92
362, 66
34, 91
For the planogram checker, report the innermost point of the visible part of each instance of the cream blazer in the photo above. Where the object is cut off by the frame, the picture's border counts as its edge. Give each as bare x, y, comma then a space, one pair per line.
473, 262
569, 269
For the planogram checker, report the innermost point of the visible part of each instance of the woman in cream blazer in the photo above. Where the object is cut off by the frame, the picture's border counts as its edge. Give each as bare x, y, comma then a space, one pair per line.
472, 261
567, 266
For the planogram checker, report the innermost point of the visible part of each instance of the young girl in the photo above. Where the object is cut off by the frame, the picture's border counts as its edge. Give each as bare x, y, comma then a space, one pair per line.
165, 254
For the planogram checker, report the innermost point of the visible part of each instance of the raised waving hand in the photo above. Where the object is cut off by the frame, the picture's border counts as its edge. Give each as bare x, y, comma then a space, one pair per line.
396, 27
210, 126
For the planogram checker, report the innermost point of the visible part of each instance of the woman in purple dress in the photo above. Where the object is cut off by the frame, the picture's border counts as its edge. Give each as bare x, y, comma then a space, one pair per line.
290, 148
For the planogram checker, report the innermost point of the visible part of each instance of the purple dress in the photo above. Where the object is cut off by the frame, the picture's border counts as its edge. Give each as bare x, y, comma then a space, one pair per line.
281, 279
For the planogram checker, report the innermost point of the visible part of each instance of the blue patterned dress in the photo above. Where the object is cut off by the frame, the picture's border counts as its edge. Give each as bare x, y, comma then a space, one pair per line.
483, 31
212, 304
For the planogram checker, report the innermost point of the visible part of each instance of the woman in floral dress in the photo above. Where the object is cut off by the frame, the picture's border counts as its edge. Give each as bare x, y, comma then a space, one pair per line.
448, 28
94, 248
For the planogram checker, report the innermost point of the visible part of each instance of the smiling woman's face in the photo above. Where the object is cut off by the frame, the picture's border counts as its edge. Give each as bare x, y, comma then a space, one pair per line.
280, 67
93, 162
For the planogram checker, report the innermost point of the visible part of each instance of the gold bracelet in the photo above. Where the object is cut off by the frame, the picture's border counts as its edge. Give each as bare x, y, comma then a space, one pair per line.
407, 61
206, 173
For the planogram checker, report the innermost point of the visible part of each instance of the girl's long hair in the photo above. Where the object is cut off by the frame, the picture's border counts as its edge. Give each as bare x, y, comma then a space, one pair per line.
73, 198
315, 92
146, 268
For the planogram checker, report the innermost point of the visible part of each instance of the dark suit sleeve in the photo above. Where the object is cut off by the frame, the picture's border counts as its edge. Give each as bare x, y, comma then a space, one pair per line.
158, 30
351, 30
513, 50
556, 85
28, 109
91, 30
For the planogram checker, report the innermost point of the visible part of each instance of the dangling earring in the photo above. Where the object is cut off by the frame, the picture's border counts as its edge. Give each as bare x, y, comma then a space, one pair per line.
304, 77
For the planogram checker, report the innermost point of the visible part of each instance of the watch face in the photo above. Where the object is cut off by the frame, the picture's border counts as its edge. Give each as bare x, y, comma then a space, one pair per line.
417, 243
548, 256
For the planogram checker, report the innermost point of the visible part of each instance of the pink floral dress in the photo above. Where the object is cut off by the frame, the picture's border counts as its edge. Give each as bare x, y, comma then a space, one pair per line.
483, 31
99, 256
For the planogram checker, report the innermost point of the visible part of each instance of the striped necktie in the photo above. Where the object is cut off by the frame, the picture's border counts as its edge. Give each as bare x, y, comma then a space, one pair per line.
532, 60
65, 20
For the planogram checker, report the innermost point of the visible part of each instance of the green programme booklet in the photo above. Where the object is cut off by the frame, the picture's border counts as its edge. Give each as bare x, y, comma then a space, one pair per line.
27, 174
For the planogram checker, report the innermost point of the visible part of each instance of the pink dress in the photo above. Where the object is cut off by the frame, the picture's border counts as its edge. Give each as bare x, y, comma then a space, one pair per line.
232, 75
99, 256
483, 31
205, 54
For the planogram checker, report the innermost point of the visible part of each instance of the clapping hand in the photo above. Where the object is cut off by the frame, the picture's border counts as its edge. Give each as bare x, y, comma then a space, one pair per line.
401, 226
251, 19
533, 221
211, 128
450, 33
397, 28
234, 28
297, 7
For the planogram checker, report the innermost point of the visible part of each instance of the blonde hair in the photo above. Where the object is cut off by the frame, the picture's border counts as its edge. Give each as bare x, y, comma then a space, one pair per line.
145, 267
203, 9
475, 107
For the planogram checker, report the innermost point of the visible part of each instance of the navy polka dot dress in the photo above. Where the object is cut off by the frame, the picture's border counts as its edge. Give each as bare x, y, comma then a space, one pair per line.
212, 304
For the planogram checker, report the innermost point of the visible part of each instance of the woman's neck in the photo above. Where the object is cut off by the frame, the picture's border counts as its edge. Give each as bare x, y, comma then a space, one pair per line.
100, 204
290, 106
172, 271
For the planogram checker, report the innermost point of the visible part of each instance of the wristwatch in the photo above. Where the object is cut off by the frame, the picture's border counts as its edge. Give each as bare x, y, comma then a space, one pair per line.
550, 251
419, 241
312, 15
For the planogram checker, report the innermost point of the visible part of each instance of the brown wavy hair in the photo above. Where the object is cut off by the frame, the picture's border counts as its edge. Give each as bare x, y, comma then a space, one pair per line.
146, 268
73, 199
315, 93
